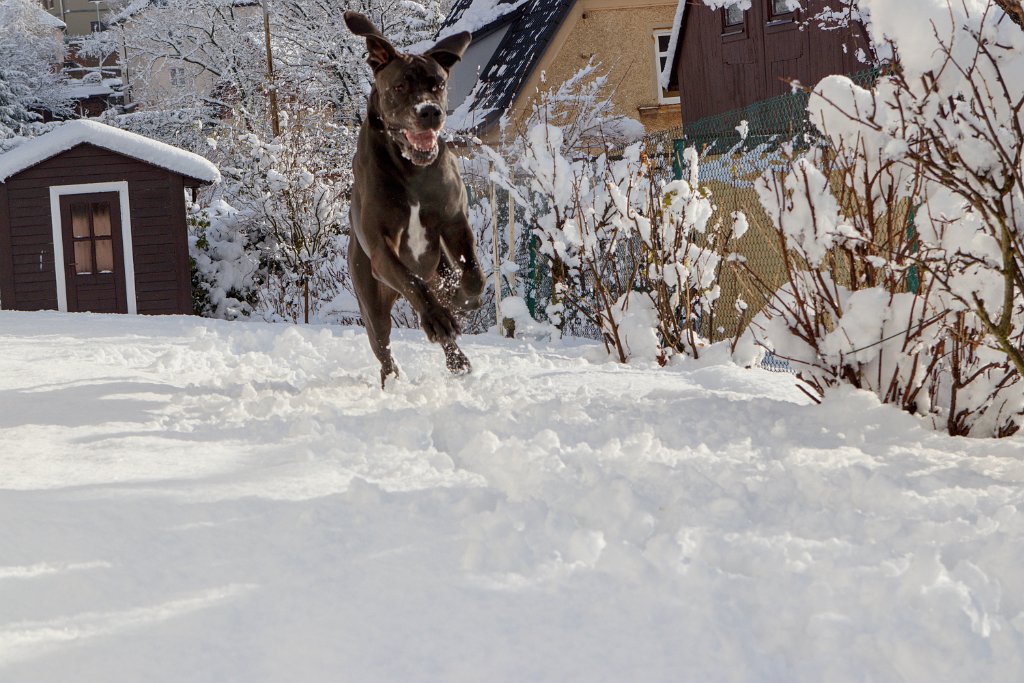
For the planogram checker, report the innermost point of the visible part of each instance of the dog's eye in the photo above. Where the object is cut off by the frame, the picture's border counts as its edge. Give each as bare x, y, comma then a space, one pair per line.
400, 88
439, 86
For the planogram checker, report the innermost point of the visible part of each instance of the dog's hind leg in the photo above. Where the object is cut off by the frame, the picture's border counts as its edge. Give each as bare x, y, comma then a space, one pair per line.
375, 303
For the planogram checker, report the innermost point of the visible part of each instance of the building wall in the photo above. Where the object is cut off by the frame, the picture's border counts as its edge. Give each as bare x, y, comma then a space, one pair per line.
159, 236
619, 34
77, 14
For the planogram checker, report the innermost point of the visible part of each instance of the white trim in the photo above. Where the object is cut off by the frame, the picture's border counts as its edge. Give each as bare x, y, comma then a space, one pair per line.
658, 54
58, 191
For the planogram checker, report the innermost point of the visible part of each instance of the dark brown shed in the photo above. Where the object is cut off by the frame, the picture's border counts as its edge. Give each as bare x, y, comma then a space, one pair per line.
107, 208
729, 58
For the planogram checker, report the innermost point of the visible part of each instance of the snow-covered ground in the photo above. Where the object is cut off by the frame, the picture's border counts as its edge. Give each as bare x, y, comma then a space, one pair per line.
192, 500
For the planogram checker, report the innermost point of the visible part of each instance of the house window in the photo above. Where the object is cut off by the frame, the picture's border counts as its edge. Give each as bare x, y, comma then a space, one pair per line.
734, 19
177, 75
662, 39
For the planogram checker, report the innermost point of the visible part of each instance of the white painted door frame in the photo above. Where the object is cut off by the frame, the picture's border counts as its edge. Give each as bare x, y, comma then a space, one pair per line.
58, 191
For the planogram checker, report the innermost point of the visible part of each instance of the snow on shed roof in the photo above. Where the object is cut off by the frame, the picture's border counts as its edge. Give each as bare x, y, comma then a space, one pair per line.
74, 133
533, 25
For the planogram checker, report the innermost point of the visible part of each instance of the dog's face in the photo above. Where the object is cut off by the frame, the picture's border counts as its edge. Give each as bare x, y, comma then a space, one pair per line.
411, 90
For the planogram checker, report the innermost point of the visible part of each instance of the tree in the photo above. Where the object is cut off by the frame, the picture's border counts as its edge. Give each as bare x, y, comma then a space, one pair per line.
31, 53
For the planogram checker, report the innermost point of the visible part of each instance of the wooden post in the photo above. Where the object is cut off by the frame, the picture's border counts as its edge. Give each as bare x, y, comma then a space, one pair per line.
495, 239
512, 239
509, 325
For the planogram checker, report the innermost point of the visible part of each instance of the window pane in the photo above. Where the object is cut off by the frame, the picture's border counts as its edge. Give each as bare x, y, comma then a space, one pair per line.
83, 257
734, 15
80, 219
663, 42
780, 7
101, 219
104, 256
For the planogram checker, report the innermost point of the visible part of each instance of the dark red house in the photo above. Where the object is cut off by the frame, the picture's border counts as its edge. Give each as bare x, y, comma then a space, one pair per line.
92, 218
730, 58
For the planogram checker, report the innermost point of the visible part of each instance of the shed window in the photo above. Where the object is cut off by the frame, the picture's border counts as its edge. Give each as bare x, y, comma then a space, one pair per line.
662, 39
781, 9
94, 246
733, 18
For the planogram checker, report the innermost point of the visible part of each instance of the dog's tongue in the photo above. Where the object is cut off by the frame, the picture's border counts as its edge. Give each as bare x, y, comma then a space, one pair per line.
424, 141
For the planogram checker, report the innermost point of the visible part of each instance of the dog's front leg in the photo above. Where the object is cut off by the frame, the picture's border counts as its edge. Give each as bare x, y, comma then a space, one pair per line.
460, 248
438, 323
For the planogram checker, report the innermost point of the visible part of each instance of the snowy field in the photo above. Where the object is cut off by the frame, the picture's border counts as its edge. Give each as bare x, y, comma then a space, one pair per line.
188, 500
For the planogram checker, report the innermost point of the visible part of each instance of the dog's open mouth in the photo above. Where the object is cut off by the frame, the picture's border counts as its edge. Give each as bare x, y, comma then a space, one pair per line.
420, 147
423, 141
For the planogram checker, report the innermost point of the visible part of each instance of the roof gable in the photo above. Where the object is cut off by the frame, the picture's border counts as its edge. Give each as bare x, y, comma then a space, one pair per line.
531, 30
75, 133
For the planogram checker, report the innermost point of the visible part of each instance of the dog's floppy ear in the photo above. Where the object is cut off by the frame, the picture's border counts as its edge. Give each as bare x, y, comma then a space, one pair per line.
450, 50
380, 49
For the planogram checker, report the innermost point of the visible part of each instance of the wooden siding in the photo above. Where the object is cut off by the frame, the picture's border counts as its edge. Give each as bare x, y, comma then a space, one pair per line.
720, 70
159, 237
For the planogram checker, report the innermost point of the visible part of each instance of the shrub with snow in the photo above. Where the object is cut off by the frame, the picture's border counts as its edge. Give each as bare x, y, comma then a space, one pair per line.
906, 235
624, 250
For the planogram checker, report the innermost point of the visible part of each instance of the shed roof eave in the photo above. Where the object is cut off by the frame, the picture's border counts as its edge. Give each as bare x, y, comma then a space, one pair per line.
75, 133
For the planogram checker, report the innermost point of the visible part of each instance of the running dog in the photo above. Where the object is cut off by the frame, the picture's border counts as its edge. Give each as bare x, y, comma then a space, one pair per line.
409, 215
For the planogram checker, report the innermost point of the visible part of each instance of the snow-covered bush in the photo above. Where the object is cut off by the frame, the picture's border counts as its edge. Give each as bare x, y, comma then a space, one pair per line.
629, 256
225, 270
291, 192
928, 313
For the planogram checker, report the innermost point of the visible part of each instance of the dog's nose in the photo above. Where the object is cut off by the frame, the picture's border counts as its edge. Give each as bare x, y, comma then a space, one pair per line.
429, 115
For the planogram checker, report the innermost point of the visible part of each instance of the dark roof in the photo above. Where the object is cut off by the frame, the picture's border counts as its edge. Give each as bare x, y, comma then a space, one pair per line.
533, 25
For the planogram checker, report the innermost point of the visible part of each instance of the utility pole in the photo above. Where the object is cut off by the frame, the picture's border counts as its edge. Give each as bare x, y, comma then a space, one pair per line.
275, 119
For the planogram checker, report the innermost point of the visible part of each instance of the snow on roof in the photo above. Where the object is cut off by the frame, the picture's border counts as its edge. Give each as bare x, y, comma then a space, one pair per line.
532, 25
47, 19
74, 133
474, 15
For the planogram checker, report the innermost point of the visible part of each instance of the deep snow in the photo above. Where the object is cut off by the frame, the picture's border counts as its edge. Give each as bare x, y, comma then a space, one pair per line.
192, 500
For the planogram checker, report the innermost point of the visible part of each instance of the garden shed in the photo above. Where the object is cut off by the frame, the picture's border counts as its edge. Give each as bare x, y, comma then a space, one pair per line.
93, 218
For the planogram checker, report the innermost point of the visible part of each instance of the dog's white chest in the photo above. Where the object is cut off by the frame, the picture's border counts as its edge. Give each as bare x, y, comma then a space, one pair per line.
416, 234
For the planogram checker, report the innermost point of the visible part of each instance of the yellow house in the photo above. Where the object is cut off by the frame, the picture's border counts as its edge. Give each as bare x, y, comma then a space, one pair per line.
520, 46
81, 16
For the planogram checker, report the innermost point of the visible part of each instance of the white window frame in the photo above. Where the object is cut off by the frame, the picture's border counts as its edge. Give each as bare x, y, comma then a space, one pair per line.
662, 99
121, 188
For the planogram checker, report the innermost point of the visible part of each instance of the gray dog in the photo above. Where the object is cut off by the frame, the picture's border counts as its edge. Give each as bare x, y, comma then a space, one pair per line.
409, 213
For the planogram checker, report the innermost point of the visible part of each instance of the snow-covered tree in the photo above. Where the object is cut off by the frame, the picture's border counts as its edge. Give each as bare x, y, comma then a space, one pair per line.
31, 54
292, 191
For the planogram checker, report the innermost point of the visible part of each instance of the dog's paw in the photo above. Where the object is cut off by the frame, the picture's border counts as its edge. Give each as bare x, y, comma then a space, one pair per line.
439, 324
456, 361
